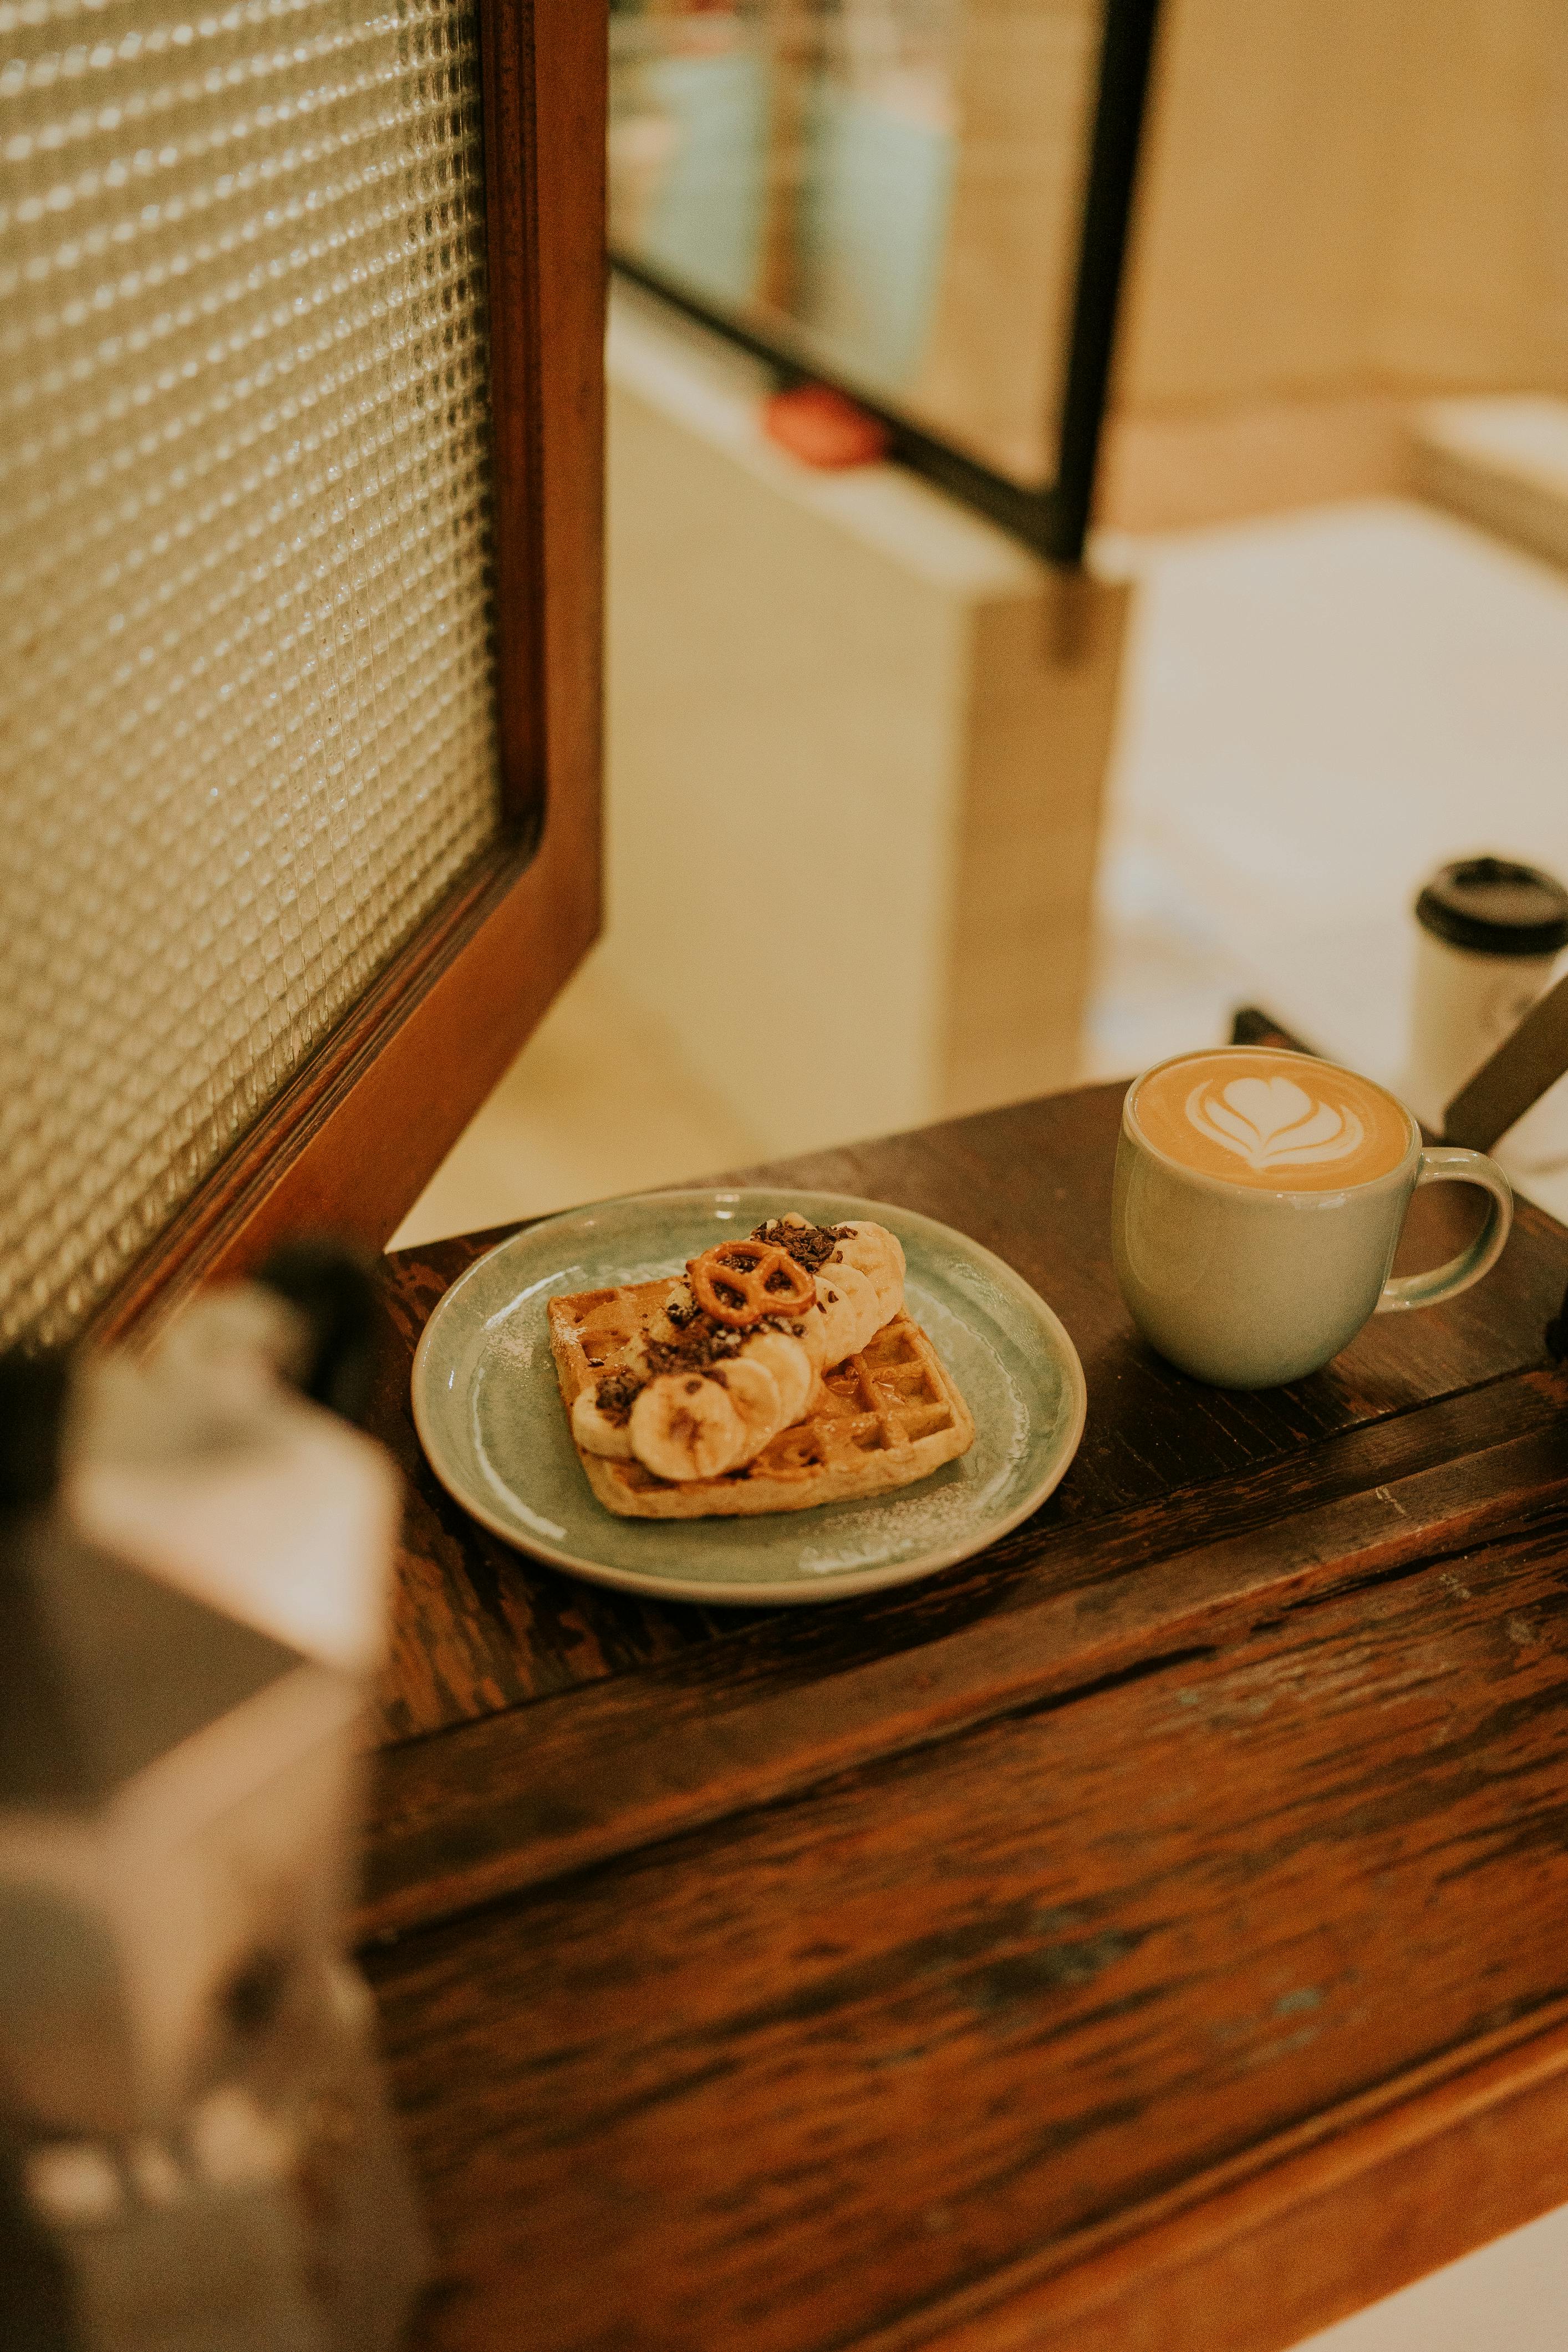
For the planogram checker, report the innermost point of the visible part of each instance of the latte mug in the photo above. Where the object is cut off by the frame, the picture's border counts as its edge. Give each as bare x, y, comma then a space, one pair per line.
1259, 1196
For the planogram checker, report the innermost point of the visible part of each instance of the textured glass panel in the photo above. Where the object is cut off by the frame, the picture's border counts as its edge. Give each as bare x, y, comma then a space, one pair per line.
246, 689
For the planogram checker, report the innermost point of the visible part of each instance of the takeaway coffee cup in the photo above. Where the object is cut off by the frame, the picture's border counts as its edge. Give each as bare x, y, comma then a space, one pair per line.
1259, 1196
1488, 935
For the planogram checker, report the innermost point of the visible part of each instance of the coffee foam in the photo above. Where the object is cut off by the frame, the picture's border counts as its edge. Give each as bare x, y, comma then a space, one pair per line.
1281, 1122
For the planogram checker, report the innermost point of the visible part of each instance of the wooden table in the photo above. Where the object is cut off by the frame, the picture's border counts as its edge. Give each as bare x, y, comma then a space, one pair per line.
1152, 1934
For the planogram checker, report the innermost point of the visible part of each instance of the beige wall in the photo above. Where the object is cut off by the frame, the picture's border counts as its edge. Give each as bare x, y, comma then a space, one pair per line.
1348, 198
1024, 78
1477, 276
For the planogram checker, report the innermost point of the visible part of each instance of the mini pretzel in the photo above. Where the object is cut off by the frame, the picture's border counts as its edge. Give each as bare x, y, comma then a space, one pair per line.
738, 1283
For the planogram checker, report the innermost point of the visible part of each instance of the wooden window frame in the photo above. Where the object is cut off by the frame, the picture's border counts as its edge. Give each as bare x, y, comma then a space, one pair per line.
352, 1140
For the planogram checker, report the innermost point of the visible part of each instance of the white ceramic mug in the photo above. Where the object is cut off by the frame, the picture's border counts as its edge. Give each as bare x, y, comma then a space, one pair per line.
1247, 1284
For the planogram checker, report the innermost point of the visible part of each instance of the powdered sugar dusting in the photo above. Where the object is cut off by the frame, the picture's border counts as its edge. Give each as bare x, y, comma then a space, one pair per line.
935, 1515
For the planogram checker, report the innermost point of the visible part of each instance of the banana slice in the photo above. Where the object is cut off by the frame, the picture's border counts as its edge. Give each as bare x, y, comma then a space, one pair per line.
880, 1256
867, 1249
870, 1318
867, 1257
594, 1433
867, 1229
814, 1336
838, 1321
754, 1393
683, 1425
850, 1309
792, 1369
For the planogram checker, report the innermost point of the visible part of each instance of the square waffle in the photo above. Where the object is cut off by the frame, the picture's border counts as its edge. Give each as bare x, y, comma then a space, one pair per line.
881, 1419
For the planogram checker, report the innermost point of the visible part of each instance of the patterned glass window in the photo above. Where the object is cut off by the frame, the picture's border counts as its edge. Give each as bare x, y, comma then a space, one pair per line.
246, 731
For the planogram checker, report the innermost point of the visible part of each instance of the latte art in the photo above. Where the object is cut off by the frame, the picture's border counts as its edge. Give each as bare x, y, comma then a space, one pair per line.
1284, 1122
1274, 1123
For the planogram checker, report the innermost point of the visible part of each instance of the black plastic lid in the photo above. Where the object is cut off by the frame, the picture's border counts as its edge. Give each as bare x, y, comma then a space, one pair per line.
1495, 908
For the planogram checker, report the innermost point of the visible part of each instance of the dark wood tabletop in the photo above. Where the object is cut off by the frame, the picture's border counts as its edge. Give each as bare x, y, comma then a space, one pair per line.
1150, 1935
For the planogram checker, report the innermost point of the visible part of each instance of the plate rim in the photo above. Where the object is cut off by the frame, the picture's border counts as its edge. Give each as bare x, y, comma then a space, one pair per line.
845, 1585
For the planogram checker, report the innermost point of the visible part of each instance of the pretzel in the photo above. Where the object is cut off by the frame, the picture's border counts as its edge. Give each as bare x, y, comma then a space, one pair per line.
748, 1271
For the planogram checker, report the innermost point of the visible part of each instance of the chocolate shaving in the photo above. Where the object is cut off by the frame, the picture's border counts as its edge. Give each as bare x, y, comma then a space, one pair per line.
702, 1341
616, 1395
701, 1345
809, 1245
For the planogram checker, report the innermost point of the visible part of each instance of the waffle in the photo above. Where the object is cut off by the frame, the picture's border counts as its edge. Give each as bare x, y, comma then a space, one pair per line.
881, 1419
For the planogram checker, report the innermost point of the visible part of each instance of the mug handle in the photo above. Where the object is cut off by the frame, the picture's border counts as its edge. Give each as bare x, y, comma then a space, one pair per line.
1450, 1163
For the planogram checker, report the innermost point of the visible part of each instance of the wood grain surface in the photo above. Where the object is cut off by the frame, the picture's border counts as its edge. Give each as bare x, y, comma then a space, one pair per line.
1148, 1934
479, 1626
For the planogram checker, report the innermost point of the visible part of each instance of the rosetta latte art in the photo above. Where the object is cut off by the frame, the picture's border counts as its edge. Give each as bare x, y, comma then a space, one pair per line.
1278, 1121
1274, 1123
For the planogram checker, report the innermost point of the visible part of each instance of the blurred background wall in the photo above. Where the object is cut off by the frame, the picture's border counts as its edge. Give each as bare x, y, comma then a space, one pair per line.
1346, 206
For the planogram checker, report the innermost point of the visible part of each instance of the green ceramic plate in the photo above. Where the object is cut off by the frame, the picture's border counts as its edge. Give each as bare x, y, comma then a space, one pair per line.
489, 1412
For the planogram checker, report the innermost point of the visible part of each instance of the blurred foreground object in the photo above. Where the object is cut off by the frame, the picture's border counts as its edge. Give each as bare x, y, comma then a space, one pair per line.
1490, 932
196, 2154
